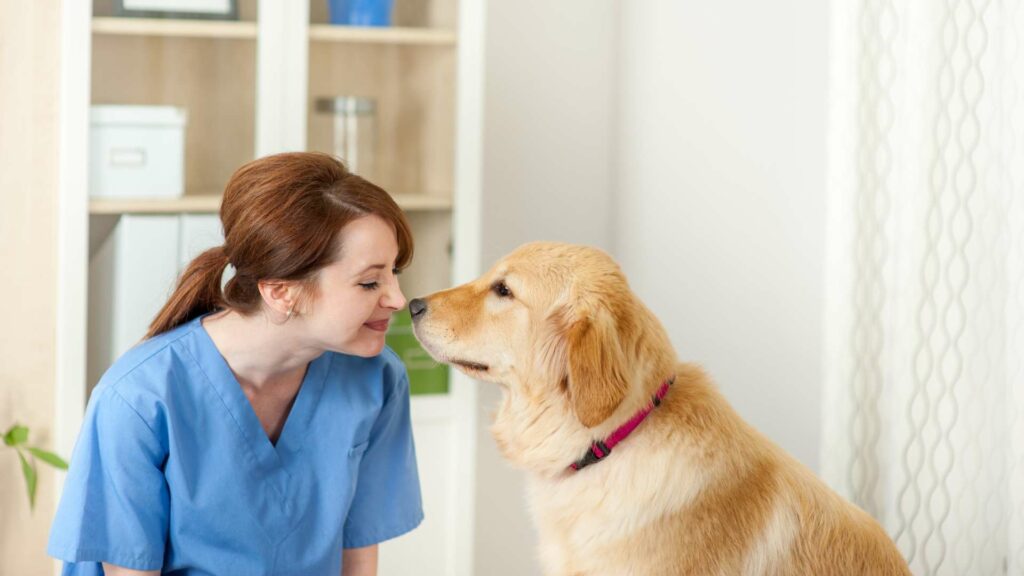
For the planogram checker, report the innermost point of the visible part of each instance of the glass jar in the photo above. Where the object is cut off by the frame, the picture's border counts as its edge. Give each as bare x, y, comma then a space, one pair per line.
353, 127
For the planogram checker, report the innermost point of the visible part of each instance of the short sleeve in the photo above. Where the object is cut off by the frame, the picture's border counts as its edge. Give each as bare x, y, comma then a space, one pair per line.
114, 506
387, 500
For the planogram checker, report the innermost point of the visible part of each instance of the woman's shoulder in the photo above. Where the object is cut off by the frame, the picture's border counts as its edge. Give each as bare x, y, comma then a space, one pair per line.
149, 368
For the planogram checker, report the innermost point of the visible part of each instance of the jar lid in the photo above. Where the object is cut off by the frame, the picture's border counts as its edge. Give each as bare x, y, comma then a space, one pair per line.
347, 105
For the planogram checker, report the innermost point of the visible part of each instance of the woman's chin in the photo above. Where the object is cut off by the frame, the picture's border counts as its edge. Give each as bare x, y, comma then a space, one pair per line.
365, 347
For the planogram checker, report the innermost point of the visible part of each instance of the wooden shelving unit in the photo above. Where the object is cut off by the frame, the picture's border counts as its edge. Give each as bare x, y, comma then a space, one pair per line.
248, 90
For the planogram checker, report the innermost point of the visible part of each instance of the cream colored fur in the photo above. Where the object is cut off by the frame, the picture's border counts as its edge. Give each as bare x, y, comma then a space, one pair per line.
693, 490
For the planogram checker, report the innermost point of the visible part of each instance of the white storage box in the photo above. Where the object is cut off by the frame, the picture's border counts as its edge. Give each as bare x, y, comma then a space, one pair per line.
137, 152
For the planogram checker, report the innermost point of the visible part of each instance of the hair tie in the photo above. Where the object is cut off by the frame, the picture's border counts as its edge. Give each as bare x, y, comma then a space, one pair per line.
228, 272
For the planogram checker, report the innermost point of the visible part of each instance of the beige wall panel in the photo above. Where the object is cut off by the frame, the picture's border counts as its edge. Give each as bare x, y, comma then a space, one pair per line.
29, 73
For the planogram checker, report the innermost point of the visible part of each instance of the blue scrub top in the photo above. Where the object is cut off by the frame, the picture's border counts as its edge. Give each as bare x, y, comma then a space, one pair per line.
173, 471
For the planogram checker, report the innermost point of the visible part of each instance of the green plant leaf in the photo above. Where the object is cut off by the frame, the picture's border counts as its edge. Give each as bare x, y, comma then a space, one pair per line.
49, 457
29, 470
16, 435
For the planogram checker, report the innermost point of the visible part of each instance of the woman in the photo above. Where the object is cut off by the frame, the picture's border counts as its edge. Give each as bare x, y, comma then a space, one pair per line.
262, 428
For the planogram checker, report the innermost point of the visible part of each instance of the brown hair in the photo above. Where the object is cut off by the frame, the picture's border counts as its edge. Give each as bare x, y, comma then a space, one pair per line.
281, 216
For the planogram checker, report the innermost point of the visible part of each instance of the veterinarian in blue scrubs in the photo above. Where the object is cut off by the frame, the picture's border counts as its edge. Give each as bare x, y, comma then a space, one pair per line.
262, 428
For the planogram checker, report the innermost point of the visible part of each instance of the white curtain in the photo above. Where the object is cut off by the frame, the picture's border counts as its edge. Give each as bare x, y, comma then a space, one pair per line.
924, 391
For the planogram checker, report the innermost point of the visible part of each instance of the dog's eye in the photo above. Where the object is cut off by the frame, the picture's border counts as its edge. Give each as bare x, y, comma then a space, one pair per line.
501, 290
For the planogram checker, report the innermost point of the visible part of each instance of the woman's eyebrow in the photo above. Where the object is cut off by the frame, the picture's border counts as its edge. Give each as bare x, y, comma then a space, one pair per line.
371, 267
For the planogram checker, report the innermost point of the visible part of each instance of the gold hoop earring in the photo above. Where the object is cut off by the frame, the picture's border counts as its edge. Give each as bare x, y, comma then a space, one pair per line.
289, 313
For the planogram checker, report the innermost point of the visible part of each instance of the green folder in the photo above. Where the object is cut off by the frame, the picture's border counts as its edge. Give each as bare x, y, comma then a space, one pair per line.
425, 375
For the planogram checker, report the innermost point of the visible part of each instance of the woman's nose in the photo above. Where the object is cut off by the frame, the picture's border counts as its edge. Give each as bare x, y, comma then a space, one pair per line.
393, 297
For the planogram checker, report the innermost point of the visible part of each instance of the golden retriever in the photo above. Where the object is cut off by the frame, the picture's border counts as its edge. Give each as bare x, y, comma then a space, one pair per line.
692, 489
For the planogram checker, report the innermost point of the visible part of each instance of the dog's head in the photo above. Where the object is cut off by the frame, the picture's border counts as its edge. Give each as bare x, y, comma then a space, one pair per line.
558, 327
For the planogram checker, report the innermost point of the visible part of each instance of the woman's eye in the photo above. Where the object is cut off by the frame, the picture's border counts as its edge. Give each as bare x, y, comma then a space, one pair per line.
374, 285
501, 290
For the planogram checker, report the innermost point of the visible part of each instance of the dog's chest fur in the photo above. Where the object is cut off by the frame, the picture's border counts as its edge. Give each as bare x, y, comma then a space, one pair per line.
655, 506
587, 521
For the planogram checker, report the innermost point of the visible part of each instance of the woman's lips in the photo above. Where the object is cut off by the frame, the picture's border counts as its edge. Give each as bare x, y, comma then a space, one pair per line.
379, 325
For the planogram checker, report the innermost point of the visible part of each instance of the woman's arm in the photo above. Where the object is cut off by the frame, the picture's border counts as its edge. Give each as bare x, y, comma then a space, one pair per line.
360, 561
111, 570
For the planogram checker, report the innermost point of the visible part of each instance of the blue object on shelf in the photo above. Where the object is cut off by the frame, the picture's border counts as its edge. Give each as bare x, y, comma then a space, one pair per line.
360, 12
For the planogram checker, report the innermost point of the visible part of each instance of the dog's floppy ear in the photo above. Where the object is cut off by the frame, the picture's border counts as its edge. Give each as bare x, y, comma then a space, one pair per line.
596, 381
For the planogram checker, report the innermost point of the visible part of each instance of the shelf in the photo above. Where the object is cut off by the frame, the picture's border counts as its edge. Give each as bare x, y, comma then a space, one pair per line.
197, 203
185, 28
211, 204
381, 35
423, 202
174, 28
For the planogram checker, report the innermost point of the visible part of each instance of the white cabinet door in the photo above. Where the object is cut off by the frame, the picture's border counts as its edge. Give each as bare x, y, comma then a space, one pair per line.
199, 232
130, 276
144, 274
426, 551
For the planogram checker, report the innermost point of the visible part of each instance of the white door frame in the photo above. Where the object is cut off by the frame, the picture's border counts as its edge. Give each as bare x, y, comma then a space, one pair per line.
72, 226
467, 264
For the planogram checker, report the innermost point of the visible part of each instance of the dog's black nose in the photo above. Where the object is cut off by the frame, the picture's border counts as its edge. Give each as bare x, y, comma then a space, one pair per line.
417, 307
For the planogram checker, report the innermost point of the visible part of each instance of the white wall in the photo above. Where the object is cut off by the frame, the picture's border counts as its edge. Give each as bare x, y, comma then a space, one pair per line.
688, 139
720, 188
547, 127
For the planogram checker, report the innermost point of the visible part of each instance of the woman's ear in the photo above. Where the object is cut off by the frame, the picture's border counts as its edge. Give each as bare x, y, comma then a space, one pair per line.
279, 296
596, 381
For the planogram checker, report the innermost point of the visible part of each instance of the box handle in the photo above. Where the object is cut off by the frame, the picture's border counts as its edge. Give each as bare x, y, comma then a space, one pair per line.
127, 157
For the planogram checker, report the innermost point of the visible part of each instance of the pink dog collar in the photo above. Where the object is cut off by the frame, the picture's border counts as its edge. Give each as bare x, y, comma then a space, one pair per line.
600, 449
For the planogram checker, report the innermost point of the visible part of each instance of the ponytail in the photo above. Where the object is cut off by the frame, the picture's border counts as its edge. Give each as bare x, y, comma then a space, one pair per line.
198, 292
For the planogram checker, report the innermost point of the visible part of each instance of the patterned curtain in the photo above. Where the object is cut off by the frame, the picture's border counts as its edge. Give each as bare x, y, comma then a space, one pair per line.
924, 390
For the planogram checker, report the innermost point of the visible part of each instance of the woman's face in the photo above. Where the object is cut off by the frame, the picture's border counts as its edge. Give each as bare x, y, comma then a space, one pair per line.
359, 291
